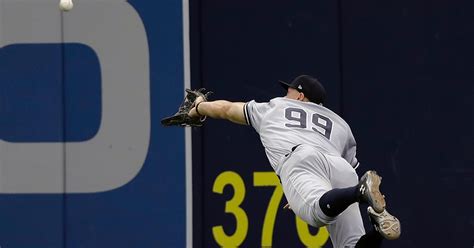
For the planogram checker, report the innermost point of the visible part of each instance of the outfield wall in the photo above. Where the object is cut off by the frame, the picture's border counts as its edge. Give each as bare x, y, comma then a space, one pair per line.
401, 74
84, 161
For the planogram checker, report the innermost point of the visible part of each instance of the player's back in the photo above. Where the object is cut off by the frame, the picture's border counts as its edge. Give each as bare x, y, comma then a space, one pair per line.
283, 123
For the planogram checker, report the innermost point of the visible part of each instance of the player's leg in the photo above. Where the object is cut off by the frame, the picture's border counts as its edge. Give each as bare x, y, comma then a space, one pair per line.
347, 228
333, 202
342, 202
371, 239
345, 184
342, 176
305, 178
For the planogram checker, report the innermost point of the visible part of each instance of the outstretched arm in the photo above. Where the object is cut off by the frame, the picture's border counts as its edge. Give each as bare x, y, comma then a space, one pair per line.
220, 109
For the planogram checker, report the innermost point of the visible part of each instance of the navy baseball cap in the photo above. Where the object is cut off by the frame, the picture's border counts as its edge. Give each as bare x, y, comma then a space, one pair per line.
309, 86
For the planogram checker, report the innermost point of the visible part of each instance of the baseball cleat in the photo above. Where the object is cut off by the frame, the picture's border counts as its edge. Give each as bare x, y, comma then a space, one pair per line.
386, 224
369, 191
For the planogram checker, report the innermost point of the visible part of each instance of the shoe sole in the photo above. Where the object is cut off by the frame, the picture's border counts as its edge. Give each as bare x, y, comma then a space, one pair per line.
389, 228
376, 199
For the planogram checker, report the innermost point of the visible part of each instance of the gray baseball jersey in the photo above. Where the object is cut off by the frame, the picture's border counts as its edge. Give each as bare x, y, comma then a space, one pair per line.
283, 123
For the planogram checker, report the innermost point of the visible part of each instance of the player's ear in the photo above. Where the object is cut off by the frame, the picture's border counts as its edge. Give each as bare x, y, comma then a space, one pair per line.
301, 96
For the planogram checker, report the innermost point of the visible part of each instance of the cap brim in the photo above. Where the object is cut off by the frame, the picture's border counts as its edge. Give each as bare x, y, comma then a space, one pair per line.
284, 84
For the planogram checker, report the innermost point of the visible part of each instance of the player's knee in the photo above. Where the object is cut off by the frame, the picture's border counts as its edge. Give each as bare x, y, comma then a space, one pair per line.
318, 223
314, 221
350, 177
321, 219
306, 212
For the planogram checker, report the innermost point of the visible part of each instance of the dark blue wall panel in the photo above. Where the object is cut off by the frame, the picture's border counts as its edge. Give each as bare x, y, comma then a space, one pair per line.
245, 48
408, 87
400, 73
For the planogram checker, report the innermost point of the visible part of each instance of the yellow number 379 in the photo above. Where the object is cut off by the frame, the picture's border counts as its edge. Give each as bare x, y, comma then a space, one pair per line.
261, 179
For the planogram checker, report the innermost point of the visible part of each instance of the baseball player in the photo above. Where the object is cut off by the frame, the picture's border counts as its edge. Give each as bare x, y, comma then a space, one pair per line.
313, 152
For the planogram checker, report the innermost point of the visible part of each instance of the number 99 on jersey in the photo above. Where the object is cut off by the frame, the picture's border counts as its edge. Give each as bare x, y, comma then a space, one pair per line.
255, 216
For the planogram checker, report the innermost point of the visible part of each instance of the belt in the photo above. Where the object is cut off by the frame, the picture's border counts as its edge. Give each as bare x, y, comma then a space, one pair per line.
294, 147
292, 150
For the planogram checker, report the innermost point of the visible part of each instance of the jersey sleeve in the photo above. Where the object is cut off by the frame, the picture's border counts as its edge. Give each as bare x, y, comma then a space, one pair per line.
254, 113
350, 151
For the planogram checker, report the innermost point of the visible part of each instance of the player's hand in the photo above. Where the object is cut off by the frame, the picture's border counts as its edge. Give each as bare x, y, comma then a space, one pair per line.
183, 117
192, 112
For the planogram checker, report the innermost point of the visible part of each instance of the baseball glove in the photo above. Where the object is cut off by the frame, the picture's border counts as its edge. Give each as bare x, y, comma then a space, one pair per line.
181, 118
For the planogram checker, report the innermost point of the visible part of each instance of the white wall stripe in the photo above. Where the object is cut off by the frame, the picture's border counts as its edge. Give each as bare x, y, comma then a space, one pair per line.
187, 131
